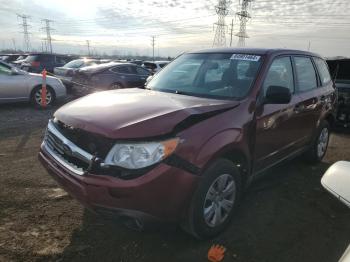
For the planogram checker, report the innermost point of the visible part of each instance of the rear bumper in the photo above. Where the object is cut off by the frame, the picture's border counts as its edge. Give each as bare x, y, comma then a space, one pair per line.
163, 193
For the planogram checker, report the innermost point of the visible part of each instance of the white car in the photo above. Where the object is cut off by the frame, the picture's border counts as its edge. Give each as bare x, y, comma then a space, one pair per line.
155, 66
336, 180
18, 85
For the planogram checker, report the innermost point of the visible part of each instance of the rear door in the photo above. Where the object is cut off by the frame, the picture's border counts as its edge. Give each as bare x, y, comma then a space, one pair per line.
277, 125
313, 95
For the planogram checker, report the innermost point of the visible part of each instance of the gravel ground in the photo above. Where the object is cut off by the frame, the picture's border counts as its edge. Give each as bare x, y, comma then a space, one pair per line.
286, 216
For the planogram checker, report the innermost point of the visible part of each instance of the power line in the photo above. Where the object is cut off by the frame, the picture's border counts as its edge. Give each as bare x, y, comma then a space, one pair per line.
26, 41
244, 16
222, 10
48, 38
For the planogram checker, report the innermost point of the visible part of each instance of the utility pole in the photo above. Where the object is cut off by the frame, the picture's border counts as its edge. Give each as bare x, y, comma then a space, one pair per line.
26, 42
14, 44
222, 10
231, 33
309, 46
48, 29
244, 16
153, 44
88, 46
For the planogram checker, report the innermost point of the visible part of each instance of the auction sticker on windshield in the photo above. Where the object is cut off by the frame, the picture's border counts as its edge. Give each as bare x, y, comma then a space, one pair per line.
245, 57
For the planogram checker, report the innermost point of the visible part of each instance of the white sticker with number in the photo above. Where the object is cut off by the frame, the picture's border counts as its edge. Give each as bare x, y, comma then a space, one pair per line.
245, 57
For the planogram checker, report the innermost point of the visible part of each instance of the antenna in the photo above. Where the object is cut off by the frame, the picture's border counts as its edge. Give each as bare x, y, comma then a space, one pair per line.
222, 10
244, 16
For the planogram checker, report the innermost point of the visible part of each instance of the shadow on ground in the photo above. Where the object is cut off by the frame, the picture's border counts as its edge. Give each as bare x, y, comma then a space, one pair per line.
286, 216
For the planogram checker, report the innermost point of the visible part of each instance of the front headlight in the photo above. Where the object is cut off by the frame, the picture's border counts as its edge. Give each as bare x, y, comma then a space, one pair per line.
140, 155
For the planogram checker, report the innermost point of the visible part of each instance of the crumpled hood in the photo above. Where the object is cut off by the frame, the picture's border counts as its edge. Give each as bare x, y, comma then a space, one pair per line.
135, 113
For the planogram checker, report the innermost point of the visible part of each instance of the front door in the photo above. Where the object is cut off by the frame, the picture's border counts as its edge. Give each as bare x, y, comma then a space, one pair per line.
277, 125
12, 86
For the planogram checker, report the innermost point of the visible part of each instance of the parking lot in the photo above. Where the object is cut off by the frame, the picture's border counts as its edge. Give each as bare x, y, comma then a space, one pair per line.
287, 216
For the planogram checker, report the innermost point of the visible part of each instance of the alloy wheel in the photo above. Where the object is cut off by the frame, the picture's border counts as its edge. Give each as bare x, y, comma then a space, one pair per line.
322, 142
37, 96
219, 200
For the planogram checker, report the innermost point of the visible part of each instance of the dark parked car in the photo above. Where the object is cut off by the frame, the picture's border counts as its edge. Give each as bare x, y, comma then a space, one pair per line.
340, 70
66, 72
109, 76
184, 149
36, 63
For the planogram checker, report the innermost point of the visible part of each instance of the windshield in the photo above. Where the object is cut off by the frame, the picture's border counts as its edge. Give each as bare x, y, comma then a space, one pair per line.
74, 64
223, 76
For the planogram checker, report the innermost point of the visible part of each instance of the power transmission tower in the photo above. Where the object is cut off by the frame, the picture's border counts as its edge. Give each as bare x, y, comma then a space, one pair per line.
231, 32
244, 16
153, 41
48, 29
88, 46
26, 42
222, 10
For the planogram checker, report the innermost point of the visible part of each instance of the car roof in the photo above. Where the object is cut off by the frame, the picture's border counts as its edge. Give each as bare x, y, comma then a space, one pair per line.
255, 51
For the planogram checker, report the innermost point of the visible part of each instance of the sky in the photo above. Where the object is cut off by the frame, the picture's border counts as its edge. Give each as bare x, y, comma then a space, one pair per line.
125, 27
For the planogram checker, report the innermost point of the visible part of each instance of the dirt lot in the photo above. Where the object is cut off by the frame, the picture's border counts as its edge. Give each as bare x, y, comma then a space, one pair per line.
286, 216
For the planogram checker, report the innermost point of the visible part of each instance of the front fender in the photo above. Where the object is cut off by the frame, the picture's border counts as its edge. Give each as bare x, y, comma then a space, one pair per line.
219, 144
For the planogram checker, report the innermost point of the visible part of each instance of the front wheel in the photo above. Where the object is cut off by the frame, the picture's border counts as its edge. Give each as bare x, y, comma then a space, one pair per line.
214, 201
319, 147
36, 96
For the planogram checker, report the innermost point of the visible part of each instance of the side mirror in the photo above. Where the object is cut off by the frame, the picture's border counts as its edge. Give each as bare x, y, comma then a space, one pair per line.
277, 95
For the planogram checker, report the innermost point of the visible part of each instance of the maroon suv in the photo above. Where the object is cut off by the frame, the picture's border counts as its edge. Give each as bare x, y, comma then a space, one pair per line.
183, 149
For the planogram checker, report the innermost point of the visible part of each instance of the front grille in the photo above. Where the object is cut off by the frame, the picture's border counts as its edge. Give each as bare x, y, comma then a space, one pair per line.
92, 143
58, 147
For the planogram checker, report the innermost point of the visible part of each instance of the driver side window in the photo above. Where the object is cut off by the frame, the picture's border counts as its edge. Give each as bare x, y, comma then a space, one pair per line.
4, 70
280, 74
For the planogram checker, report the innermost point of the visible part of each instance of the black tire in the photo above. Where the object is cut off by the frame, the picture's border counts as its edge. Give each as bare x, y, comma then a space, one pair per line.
33, 96
116, 86
195, 222
314, 154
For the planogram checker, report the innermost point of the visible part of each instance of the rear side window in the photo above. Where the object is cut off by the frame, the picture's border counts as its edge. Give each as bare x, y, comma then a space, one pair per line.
306, 75
322, 70
280, 74
122, 70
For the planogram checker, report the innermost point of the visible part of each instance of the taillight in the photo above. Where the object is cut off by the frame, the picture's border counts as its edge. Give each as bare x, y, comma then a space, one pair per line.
35, 64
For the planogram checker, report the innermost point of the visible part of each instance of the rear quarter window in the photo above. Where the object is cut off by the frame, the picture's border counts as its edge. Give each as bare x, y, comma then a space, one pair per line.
323, 71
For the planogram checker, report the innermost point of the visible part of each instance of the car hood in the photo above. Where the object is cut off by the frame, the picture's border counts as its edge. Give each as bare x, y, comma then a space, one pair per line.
138, 113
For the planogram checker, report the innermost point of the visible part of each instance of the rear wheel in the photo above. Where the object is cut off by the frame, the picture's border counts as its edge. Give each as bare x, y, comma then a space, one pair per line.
117, 86
319, 147
36, 96
214, 201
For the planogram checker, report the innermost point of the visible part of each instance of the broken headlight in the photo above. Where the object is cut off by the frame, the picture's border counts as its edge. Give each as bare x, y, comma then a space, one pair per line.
140, 155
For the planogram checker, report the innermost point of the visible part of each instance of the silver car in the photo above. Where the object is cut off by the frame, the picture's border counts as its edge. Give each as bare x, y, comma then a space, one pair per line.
17, 85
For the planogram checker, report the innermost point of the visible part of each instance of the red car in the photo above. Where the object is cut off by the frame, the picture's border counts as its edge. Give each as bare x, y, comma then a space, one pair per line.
185, 148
